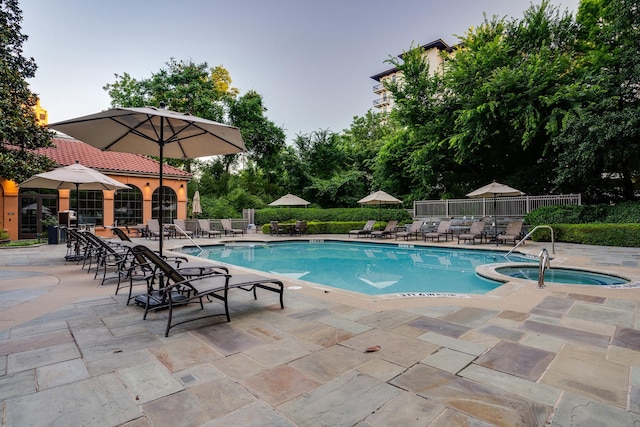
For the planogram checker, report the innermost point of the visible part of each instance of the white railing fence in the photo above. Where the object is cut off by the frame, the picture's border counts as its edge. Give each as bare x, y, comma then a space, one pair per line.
500, 206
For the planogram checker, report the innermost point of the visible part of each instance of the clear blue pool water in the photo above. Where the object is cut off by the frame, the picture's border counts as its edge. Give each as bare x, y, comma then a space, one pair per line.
563, 275
372, 269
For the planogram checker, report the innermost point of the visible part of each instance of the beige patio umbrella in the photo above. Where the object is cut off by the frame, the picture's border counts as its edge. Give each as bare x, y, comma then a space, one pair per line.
73, 177
495, 190
196, 208
289, 200
154, 132
379, 198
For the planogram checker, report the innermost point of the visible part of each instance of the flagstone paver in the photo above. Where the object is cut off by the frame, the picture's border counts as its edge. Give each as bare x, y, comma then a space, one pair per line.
448, 360
518, 360
461, 345
627, 338
577, 411
474, 399
328, 364
528, 389
253, 415
407, 410
585, 371
343, 401
98, 400
280, 384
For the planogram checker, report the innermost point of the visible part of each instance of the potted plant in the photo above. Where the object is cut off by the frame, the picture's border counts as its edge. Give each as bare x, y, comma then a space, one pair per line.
4, 235
49, 224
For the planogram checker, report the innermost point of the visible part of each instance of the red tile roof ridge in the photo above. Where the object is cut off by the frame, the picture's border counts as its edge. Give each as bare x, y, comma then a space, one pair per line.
68, 150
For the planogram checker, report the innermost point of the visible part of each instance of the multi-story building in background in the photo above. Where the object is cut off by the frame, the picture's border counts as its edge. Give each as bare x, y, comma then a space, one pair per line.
432, 52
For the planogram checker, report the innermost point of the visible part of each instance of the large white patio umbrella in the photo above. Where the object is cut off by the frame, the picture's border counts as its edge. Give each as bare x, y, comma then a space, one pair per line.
495, 190
379, 198
73, 177
154, 132
290, 200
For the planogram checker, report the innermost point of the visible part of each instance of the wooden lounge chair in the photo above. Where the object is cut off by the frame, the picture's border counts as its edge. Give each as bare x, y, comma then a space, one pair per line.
413, 230
512, 234
205, 229
389, 229
181, 228
477, 228
177, 290
228, 228
365, 231
444, 230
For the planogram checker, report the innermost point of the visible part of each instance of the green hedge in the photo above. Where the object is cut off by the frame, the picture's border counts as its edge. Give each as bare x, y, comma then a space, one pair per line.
623, 235
284, 214
621, 213
334, 227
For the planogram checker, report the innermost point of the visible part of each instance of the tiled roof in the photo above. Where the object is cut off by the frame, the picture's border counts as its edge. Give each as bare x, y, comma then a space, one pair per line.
68, 150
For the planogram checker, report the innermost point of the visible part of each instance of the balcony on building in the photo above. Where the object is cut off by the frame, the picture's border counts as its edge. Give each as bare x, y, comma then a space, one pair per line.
382, 102
378, 88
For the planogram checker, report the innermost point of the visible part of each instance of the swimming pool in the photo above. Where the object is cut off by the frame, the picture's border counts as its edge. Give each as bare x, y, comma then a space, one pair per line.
367, 268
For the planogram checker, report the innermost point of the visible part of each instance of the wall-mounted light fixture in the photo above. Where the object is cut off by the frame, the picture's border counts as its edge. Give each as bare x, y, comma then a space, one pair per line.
147, 184
181, 185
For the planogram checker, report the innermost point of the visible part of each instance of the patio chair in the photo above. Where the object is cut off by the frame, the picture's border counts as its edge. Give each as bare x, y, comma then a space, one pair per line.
365, 231
389, 229
414, 230
475, 232
512, 234
153, 229
177, 290
228, 228
443, 230
205, 229
300, 228
181, 228
274, 228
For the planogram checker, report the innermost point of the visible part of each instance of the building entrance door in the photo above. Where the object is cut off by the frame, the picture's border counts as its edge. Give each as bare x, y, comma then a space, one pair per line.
35, 206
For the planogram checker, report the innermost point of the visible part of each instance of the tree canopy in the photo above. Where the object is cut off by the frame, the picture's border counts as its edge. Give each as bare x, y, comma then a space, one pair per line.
547, 103
19, 130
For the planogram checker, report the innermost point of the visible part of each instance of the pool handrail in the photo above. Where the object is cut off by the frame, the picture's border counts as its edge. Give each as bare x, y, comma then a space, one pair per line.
553, 246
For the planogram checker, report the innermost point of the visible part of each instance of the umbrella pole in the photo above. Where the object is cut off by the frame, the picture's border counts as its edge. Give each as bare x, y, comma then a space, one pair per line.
161, 192
78, 206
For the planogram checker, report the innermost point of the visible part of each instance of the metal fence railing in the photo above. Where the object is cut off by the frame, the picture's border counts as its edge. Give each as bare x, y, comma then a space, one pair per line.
500, 206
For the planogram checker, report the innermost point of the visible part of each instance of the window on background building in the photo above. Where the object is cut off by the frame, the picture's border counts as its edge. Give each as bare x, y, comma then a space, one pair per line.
90, 207
127, 206
169, 205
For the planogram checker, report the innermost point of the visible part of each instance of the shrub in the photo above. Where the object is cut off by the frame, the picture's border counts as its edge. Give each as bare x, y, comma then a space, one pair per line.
623, 235
284, 214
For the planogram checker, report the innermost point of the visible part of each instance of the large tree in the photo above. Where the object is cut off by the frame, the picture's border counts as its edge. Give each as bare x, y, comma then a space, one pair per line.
487, 116
20, 132
601, 132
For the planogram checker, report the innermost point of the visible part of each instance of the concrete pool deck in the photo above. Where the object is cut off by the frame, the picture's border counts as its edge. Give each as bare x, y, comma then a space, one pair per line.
74, 353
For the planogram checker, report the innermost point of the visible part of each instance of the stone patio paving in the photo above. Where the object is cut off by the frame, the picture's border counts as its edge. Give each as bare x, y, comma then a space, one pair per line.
75, 354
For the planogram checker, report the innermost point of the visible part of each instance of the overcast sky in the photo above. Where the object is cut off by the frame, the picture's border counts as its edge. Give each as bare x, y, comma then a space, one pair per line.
310, 60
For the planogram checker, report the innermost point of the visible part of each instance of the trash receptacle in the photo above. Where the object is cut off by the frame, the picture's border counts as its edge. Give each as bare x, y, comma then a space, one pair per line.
52, 235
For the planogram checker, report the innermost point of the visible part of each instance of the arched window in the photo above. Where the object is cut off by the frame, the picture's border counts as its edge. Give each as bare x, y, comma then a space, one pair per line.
127, 206
169, 205
91, 206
